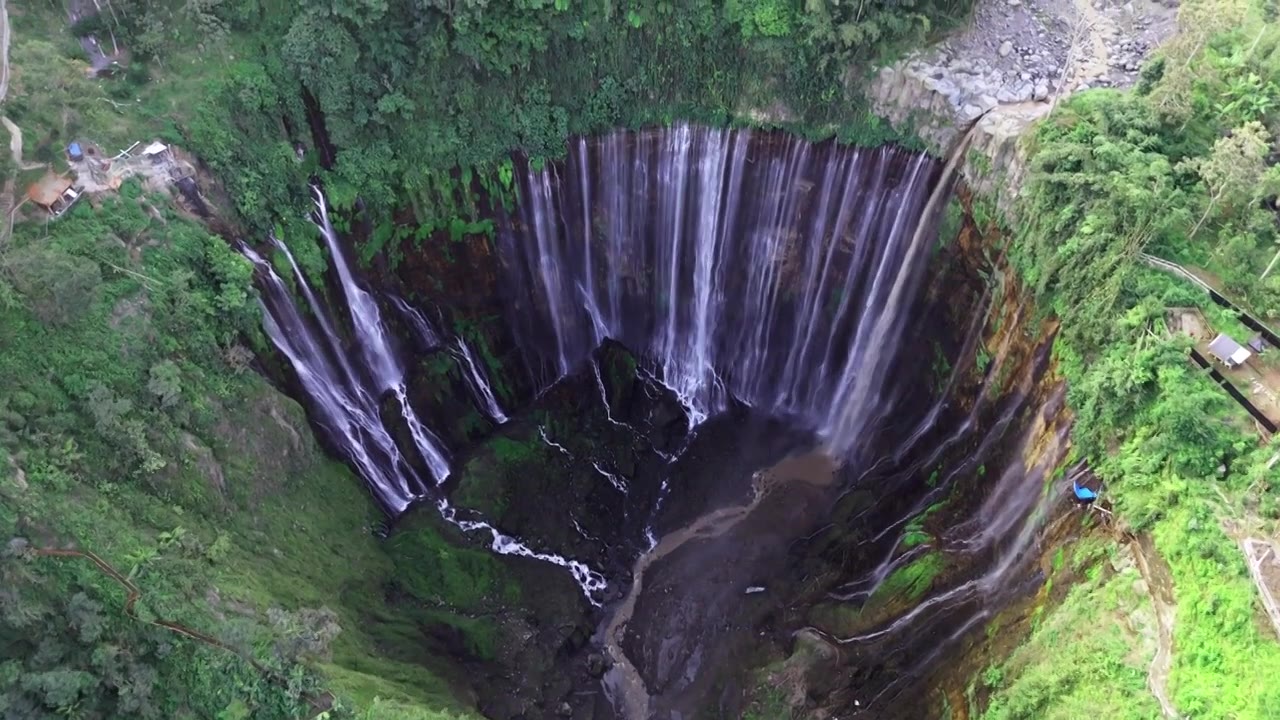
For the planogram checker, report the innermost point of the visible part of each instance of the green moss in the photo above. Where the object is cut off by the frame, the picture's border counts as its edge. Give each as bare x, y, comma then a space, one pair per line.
769, 703
510, 452
437, 369
983, 358
909, 582
500, 461
914, 537
443, 574
482, 488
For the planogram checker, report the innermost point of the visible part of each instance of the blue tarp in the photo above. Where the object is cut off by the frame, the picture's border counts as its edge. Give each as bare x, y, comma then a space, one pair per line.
74, 151
1084, 494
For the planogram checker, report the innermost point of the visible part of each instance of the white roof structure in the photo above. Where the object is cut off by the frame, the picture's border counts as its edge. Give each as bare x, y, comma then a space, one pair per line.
154, 148
1229, 351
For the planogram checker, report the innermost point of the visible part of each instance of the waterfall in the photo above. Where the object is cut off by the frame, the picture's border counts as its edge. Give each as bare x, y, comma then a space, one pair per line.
344, 394
477, 382
341, 398
366, 321
738, 265
429, 338
427, 335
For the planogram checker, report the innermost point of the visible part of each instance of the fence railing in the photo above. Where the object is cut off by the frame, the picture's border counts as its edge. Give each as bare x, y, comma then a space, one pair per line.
1257, 553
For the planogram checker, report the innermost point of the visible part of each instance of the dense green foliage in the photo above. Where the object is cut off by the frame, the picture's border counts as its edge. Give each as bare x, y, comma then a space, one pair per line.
131, 427
1182, 169
110, 362
411, 91
125, 330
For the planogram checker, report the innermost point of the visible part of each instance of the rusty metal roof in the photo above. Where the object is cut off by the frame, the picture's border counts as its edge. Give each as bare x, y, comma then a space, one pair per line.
49, 188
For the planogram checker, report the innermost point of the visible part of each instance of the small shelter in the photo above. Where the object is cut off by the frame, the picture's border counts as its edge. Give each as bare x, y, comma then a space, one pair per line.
156, 152
49, 192
1257, 344
1228, 351
74, 152
54, 193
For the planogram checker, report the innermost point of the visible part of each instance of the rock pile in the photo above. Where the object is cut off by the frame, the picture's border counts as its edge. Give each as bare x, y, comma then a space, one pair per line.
1016, 56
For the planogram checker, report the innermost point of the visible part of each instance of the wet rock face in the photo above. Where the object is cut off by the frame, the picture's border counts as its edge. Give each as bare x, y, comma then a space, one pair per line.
579, 474
582, 469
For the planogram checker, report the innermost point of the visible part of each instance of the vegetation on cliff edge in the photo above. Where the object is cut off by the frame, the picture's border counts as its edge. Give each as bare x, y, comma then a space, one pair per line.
1183, 168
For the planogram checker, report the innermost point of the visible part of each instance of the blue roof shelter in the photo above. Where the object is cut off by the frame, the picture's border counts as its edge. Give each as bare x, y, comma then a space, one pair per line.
1083, 494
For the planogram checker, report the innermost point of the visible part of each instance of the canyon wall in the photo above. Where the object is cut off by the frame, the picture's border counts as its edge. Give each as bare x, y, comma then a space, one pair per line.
593, 468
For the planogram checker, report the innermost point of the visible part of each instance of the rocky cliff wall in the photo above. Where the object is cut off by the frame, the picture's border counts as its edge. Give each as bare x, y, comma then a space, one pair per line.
1007, 67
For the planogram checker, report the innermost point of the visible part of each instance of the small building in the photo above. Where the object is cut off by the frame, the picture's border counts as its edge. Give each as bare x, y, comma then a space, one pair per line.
54, 193
48, 190
74, 152
1257, 344
156, 152
1228, 351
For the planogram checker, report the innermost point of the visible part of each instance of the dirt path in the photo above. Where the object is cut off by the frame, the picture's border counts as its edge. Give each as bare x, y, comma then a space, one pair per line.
1159, 585
4, 49
15, 145
1264, 568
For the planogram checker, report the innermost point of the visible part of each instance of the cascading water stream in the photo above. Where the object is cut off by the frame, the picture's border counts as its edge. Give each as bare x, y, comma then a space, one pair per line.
365, 319
423, 329
381, 360
478, 382
1000, 535
339, 396
344, 396
430, 338
738, 265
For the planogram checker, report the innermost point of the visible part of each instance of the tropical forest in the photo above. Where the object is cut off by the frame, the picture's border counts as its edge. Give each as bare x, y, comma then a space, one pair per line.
640, 360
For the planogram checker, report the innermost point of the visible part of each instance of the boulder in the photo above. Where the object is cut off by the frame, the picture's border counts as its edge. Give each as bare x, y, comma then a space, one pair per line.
596, 665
